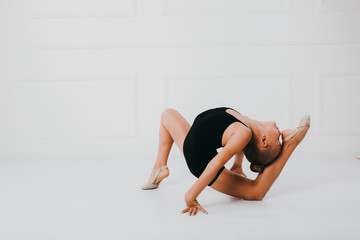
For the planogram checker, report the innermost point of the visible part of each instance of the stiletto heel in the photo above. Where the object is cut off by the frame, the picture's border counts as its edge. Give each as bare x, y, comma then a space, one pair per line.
305, 121
155, 182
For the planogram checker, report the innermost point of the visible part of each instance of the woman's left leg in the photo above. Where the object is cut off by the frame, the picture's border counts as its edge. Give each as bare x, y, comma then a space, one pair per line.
173, 128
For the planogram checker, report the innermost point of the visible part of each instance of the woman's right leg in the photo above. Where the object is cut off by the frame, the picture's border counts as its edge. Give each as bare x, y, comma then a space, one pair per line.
173, 128
235, 185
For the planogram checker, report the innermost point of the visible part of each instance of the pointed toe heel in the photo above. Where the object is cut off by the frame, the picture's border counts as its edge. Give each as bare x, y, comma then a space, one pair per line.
155, 182
304, 122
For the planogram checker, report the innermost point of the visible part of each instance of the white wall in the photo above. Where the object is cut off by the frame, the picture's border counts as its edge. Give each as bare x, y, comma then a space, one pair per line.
89, 76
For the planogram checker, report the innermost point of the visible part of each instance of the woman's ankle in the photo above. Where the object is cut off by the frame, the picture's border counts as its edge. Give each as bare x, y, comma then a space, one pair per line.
296, 139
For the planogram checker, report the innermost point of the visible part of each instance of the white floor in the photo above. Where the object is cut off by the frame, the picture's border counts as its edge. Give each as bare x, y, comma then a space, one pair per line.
98, 196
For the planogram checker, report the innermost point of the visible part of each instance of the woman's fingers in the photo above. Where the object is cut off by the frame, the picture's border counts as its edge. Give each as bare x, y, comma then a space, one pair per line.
193, 210
193, 207
203, 210
189, 212
185, 210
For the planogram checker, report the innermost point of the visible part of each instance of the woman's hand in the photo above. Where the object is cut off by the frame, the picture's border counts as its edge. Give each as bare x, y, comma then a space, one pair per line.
192, 207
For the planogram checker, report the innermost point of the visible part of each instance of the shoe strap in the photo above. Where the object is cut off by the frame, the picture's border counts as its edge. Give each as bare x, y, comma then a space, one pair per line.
158, 173
291, 135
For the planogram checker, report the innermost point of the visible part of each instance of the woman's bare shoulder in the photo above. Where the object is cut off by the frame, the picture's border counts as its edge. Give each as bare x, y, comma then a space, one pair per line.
236, 130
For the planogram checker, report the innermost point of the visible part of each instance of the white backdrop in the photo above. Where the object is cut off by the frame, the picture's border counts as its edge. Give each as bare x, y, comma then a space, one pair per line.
94, 76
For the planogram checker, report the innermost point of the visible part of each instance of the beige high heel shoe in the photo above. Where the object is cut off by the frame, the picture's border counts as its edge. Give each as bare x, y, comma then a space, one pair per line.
305, 121
155, 182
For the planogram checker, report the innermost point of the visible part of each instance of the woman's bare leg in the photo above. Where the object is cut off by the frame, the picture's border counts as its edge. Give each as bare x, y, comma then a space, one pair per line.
235, 185
173, 128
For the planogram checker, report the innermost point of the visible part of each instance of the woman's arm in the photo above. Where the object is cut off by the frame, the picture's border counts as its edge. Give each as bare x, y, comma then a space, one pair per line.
239, 158
237, 166
236, 143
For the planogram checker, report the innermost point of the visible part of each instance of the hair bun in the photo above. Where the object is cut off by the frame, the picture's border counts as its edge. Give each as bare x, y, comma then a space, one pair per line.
256, 167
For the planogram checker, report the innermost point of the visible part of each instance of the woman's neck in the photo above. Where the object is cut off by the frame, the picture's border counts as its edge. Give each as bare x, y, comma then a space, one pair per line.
254, 125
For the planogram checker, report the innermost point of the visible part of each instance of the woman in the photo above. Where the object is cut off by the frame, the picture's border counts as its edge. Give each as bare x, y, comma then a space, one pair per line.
238, 135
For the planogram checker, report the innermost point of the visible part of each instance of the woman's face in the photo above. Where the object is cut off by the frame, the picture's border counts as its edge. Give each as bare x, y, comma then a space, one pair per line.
272, 134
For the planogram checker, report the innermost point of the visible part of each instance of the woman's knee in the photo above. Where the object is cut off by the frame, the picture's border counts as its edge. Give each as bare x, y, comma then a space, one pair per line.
167, 114
254, 196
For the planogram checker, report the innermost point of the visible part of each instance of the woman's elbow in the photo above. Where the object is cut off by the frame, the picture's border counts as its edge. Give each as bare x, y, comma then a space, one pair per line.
255, 196
259, 197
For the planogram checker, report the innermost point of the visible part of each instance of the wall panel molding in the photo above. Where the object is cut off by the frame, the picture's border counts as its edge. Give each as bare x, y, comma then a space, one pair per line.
329, 6
126, 132
343, 129
132, 45
239, 7
124, 8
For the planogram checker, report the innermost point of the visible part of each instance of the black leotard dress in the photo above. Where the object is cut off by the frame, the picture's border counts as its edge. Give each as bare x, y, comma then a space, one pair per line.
204, 137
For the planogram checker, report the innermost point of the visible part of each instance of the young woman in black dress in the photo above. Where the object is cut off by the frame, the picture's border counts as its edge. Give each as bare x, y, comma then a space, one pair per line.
239, 135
